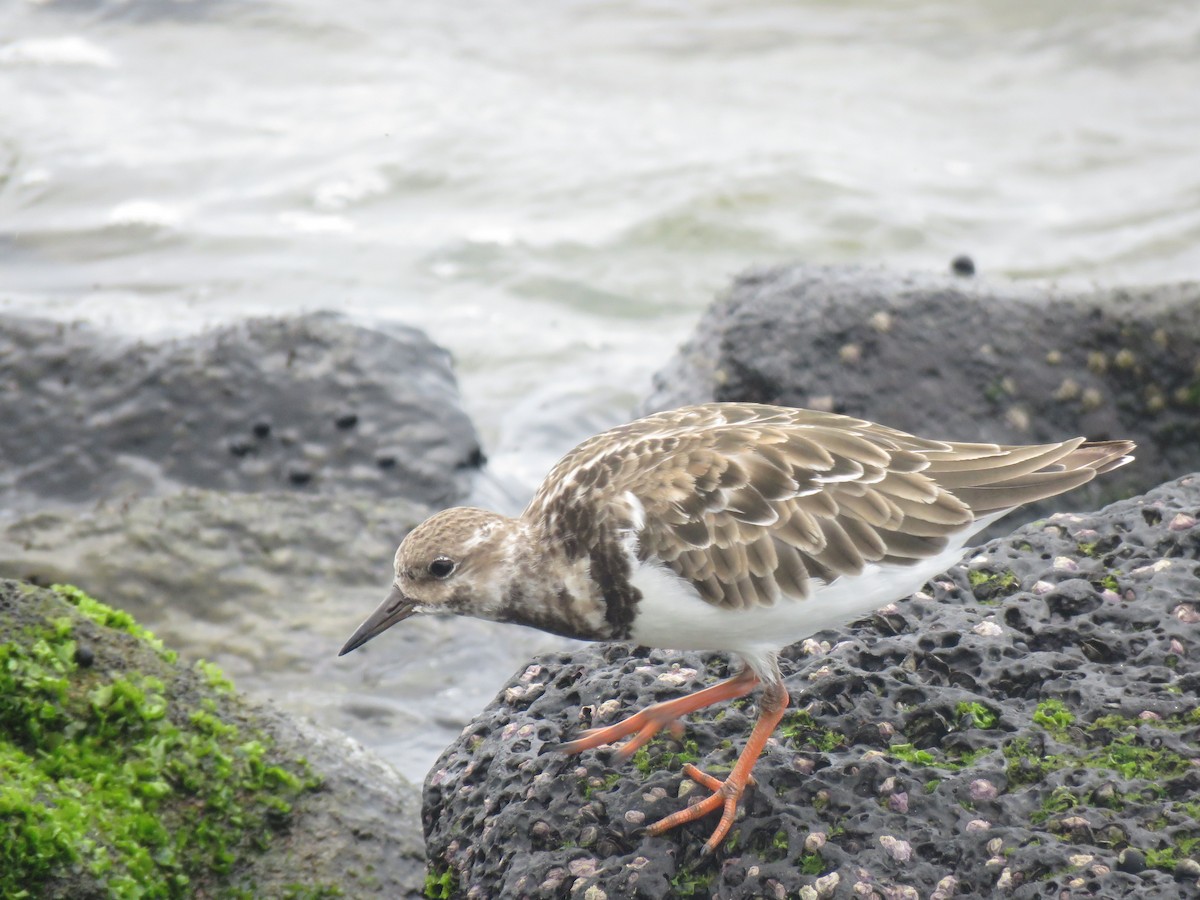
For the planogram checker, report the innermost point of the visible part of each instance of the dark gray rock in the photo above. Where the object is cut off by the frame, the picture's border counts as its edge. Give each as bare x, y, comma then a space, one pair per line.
361, 831
961, 359
1027, 728
310, 403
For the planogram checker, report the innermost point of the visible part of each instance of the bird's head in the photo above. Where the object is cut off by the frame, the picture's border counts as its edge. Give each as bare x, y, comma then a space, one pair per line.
447, 565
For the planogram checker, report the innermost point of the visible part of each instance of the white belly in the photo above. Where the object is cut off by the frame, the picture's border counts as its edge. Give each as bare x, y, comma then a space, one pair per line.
671, 613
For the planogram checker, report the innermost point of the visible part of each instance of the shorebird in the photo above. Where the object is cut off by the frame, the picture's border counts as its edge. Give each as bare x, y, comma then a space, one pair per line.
730, 527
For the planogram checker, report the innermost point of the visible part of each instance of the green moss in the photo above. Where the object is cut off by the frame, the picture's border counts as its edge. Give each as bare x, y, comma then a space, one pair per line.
1060, 800
1026, 764
802, 730
605, 784
1054, 716
654, 756
1088, 548
911, 754
216, 679
981, 716
102, 771
990, 585
812, 864
441, 884
1109, 582
688, 883
1121, 745
108, 617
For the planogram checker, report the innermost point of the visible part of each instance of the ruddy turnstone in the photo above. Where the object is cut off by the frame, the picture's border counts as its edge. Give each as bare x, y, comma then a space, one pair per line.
728, 526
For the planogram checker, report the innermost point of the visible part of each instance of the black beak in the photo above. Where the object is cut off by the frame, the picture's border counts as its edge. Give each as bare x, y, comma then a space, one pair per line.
392, 610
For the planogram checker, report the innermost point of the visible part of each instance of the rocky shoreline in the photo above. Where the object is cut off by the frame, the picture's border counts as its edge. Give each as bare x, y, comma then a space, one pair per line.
243, 490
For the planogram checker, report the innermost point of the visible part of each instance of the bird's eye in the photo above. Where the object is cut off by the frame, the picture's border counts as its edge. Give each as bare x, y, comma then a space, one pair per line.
441, 567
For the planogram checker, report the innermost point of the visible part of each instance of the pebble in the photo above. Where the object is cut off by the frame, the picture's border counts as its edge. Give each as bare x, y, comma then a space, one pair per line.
677, 677
1182, 522
1187, 868
1158, 566
899, 850
827, 884
608, 709
1186, 613
981, 789
583, 868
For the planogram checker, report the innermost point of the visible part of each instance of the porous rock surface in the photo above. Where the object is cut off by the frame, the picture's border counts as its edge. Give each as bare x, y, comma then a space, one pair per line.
1026, 727
310, 403
961, 359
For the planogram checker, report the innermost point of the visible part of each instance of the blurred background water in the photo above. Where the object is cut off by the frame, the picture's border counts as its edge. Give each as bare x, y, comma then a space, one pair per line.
554, 190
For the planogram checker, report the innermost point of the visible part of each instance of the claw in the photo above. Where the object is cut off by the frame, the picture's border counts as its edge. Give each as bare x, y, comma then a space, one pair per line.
725, 794
644, 725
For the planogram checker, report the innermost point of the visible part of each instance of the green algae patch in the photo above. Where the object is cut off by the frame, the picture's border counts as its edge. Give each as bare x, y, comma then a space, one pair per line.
1150, 764
441, 885
1054, 716
122, 772
978, 715
108, 617
799, 728
993, 585
656, 756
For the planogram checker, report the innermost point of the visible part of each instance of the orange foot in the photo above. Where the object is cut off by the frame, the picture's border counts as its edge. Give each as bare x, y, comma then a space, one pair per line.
647, 723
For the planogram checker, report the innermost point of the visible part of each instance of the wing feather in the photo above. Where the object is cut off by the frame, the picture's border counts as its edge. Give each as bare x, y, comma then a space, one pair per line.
753, 504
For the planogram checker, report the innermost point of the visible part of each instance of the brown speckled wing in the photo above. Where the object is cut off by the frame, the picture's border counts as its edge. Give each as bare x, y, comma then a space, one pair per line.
752, 503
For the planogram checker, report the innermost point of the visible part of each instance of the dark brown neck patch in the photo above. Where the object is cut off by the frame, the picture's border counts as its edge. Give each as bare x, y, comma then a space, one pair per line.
609, 568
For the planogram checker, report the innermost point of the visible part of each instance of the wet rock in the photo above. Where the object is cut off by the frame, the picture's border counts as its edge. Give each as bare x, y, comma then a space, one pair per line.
264, 584
962, 359
204, 555
1026, 762
322, 813
306, 403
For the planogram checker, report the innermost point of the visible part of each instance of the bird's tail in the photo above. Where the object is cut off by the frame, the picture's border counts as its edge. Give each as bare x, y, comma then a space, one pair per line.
991, 478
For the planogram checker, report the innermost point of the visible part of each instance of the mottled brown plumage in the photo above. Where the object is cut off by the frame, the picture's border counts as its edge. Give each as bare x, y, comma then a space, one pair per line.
752, 502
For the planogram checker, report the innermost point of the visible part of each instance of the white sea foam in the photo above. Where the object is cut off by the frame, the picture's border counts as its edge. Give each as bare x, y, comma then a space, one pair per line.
145, 213
67, 50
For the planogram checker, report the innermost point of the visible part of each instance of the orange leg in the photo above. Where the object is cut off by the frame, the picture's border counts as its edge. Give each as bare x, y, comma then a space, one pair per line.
647, 723
727, 793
